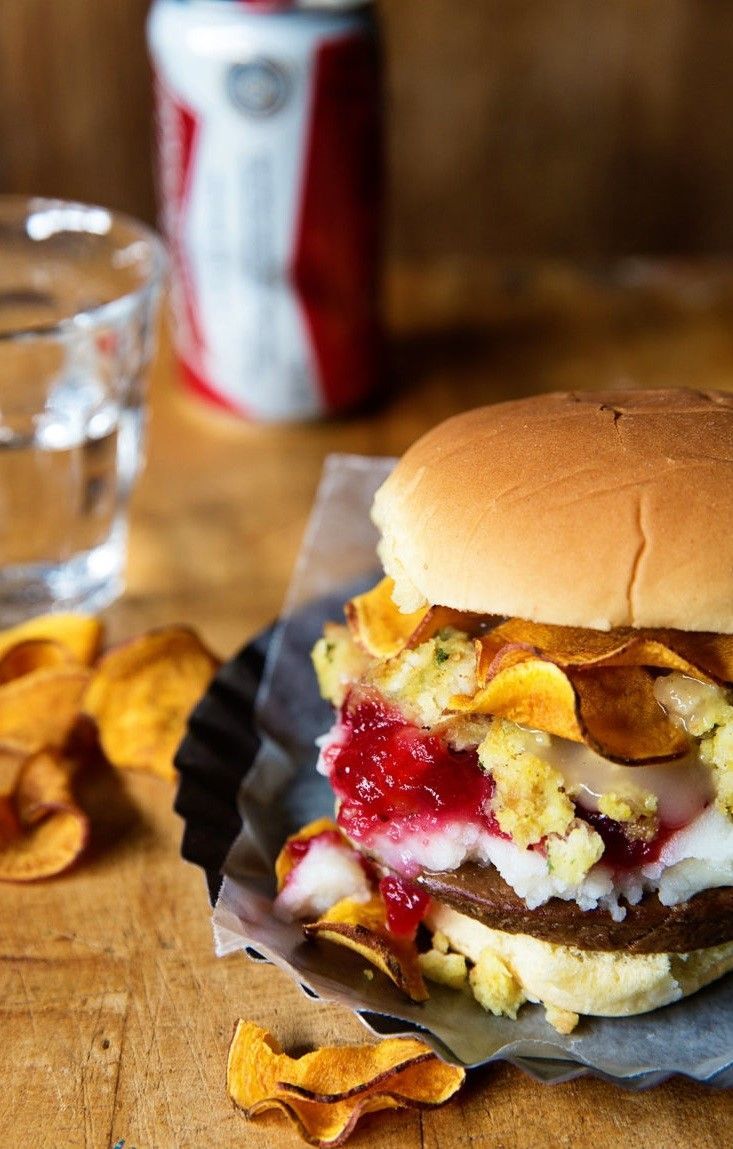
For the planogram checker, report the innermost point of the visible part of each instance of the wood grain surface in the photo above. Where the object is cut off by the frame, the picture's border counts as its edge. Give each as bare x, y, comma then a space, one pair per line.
115, 1016
526, 128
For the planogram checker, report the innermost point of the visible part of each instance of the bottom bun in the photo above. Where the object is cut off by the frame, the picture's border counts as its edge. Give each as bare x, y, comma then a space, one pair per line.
600, 982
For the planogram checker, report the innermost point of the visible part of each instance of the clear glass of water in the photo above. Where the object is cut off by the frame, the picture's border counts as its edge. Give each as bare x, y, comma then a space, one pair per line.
79, 293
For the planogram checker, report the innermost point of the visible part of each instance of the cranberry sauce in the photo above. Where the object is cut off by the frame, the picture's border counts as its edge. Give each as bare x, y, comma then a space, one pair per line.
406, 905
619, 850
297, 848
392, 777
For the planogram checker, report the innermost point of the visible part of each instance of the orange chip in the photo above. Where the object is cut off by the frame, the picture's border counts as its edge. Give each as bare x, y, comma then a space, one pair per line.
287, 860
325, 1092
42, 829
142, 693
700, 655
712, 654
40, 708
440, 617
362, 927
80, 634
491, 659
621, 718
32, 654
383, 630
563, 645
11, 760
376, 622
613, 710
531, 692
10, 827
656, 652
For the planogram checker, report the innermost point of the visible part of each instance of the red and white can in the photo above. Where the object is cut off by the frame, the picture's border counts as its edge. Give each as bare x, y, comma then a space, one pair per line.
269, 149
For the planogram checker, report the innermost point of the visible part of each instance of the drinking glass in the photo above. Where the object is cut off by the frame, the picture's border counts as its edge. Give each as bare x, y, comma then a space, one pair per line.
79, 294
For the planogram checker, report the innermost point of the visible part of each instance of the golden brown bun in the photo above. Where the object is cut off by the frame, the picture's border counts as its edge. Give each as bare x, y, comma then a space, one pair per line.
612, 984
593, 509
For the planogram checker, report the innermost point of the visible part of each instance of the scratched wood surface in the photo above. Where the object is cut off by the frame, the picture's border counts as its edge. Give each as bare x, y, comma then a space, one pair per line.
115, 1016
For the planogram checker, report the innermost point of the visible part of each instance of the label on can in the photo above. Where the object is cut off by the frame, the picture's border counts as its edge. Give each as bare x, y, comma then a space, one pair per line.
270, 165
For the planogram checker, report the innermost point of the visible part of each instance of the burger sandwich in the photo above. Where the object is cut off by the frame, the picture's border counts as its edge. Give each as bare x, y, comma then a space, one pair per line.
533, 740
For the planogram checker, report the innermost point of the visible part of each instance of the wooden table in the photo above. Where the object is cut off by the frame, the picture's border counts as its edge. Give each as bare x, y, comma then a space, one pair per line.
116, 1016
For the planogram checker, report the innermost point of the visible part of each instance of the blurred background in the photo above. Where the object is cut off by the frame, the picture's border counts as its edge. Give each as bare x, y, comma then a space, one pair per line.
516, 128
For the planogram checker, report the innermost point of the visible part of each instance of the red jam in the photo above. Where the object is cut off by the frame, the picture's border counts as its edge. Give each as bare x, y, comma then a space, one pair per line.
406, 905
395, 779
297, 848
621, 852
392, 777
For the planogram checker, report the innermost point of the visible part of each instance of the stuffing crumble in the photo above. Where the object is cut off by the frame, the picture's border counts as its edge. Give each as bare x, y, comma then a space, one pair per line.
444, 968
529, 800
338, 662
424, 679
571, 857
495, 987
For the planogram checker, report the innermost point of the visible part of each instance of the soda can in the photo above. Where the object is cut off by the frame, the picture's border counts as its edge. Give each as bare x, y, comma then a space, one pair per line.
269, 162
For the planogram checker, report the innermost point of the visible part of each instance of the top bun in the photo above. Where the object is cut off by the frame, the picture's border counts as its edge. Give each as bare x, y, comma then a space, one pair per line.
592, 509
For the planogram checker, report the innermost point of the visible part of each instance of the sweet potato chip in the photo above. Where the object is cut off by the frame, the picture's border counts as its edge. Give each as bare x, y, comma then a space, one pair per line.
710, 654
11, 760
362, 927
529, 691
80, 634
383, 630
589, 686
700, 655
10, 827
32, 654
42, 829
325, 1092
40, 708
621, 718
376, 622
142, 694
491, 659
612, 710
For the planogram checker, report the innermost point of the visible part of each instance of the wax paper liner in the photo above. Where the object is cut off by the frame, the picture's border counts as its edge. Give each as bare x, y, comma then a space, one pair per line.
248, 779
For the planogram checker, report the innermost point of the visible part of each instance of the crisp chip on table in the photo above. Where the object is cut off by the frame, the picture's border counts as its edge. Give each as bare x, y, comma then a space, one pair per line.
326, 1092
42, 829
80, 634
40, 708
142, 693
32, 654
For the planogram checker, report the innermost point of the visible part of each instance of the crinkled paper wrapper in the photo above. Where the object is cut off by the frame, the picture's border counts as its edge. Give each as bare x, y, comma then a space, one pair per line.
281, 791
